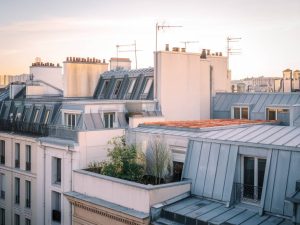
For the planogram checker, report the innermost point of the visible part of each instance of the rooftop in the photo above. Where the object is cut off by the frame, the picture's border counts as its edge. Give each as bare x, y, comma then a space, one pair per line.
206, 123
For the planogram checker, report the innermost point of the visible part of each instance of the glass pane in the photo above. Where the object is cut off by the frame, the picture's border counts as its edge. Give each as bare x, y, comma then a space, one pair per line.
248, 189
236, 113
245, 113
261, 164
271, 114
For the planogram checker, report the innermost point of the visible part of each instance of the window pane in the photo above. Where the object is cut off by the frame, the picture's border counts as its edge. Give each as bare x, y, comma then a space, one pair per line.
244, 113
271, 114
248, 186
236, 113
131, 85
147, 86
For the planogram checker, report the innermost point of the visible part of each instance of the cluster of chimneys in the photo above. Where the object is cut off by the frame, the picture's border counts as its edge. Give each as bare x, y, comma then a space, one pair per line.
205, 52
86, 60
45, 64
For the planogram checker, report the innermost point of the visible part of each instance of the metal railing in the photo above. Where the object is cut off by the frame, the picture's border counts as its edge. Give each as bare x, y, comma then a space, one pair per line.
247, 193
64, 132
22, 127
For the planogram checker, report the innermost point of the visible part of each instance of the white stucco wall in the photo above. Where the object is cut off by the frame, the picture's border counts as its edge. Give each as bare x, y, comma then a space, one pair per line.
125, 193
50, 75
183, 81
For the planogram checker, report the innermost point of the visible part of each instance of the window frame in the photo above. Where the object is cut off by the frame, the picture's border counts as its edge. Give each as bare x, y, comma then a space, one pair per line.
27, 194
240, 108
17, 155
17, 190
276, 109
2, 152
28, 156
111, 119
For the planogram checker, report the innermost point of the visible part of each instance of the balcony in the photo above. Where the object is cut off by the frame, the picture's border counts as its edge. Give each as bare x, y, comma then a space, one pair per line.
247, 193
2, 194
21, 127
65, 132
28, 166
17, 163
56, 215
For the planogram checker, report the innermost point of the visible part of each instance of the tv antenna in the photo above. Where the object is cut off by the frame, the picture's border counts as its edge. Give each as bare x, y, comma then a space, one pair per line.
188, 42
157, 28
129, 50
232, 51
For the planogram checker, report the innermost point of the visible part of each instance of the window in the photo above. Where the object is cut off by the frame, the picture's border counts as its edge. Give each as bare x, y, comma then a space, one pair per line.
17, 219
2, 216
17, 190
280, 114
56, 206
117, 88
46, 118
27, 194
130, 87
2, 152
56, 170
27, 221
36, 114
17, 155
147, 86
109, 120
70, 120
177, 170
253, 172
2, 186
28, 157
241, 113
105, 88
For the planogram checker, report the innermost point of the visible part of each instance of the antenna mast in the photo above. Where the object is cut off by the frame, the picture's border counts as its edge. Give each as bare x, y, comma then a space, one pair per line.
130, 50
188, 42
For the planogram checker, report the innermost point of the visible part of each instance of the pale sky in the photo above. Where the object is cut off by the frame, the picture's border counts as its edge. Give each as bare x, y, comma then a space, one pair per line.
56, 29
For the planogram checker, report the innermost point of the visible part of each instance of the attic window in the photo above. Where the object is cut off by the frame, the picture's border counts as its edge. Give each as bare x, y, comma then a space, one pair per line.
117, 88
36, 114
130, 87
46, 118
240, 113
105, 87
70, 120
147, 86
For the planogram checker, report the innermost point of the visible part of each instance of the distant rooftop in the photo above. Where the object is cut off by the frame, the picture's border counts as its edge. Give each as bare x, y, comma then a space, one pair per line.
206, 123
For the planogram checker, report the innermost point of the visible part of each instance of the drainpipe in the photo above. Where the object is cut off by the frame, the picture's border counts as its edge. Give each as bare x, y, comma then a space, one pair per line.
210, 91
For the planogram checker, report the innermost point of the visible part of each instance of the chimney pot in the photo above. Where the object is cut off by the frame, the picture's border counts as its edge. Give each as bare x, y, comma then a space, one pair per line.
167, 47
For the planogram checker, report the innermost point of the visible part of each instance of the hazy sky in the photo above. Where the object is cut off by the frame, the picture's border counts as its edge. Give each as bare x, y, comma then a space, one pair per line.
53, 30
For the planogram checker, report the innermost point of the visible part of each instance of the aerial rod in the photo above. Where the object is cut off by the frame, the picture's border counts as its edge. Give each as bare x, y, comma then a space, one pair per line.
127, 45
188, 42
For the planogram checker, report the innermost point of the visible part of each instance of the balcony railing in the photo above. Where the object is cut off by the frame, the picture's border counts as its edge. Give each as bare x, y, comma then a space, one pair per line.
17, 163
64, 132
56, 215
22, 127
2, 194
247, 193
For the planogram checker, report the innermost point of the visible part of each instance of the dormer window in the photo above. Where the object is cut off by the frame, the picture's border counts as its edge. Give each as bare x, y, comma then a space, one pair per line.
46, 118
281, 114
70, 120
147, 88
35, 115
105, 88
240, 112
130, 87
117, 88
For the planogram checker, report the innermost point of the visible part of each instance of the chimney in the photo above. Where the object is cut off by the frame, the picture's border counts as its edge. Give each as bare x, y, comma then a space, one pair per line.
167, 47
182, 49
208, 52
175, 49
203, 54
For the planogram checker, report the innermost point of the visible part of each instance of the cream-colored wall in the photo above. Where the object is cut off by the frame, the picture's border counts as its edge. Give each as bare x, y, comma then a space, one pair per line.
50, 75
221, 79
183, 86
94, 145
38, 90
11, 173
80, 79
124, 194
